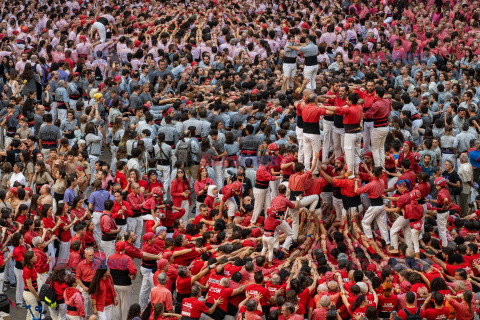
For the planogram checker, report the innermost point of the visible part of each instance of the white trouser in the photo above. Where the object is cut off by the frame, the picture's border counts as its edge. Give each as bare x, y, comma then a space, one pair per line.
108, 247
62, 114
262, 198
289, 70
301, 152
338, 206
31, 301
97, 232
2, 281
415, 236
311, 145
74, 317
287, 230
310, 74
401, 224
165, 176
113, 163
379, 135
86, 297
64, 252
338, 137
100, 28
274, 187
185, 205
124, 296
59, 313
310, 201
217, 167
327, 139
147, 286
268, 243
352, 151
135, 225
442, 219
92, 159
123, 229
20, 285
106, 314
367, 135
377, 214
9, 269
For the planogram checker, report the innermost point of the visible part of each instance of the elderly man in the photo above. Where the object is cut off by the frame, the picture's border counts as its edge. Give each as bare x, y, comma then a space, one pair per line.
160, 294
465, 171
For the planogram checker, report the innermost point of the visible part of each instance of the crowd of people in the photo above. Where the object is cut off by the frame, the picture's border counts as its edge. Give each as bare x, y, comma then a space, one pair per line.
247, 160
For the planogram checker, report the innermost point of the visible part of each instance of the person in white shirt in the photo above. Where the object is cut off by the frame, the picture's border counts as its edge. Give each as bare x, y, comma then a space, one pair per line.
17, 175
465, 171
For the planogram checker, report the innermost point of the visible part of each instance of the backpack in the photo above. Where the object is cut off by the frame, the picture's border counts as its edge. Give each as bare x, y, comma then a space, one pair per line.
184, 153
47, 294
410, 316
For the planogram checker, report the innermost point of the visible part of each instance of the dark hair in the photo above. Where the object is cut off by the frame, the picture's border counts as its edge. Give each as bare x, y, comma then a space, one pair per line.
134, 311
95, 284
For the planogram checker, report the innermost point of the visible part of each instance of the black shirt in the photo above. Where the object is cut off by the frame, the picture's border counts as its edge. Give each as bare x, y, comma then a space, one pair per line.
453, 177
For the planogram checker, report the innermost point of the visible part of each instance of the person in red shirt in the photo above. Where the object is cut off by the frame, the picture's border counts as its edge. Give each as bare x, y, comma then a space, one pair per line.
30, 294
121, 211
147, 267
270, 229
387, 301
153, 182
352, 118
42, 264
369, 96
257, 289
123, 271
180, 190
135, 223
274, 167
297, 184
221, 291
192, 308
121, 177
19, 250
261, 193
400, 223
109, 229
287, 163
104, 297
411, 307
59, 286
64, 233
374, 189
312, 143
444, 200
414, 213
168, 216
228, 198
184, 283
281, 204
380, 113
439, 312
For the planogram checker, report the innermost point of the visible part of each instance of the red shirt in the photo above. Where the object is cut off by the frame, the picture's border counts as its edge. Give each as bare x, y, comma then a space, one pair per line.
193, 308
107, 223
288, 171
436, 314
281, 203
374, 189
424, 189
387, 304
311, 113
215, 292
59, 289
473, 259
127, 211
28, 237
184, 285
106, 294
133, 251
263, 175
297, 182
352, 114
136, 201
443, 197
379, 111
347, 187
169, 217
85, 271
402, 314
177, 187
65, 235
255, 289
32, 275
369, 98
271, 223
410, 176
227, 191
121, 178
19, 252
315, 186
41, 265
